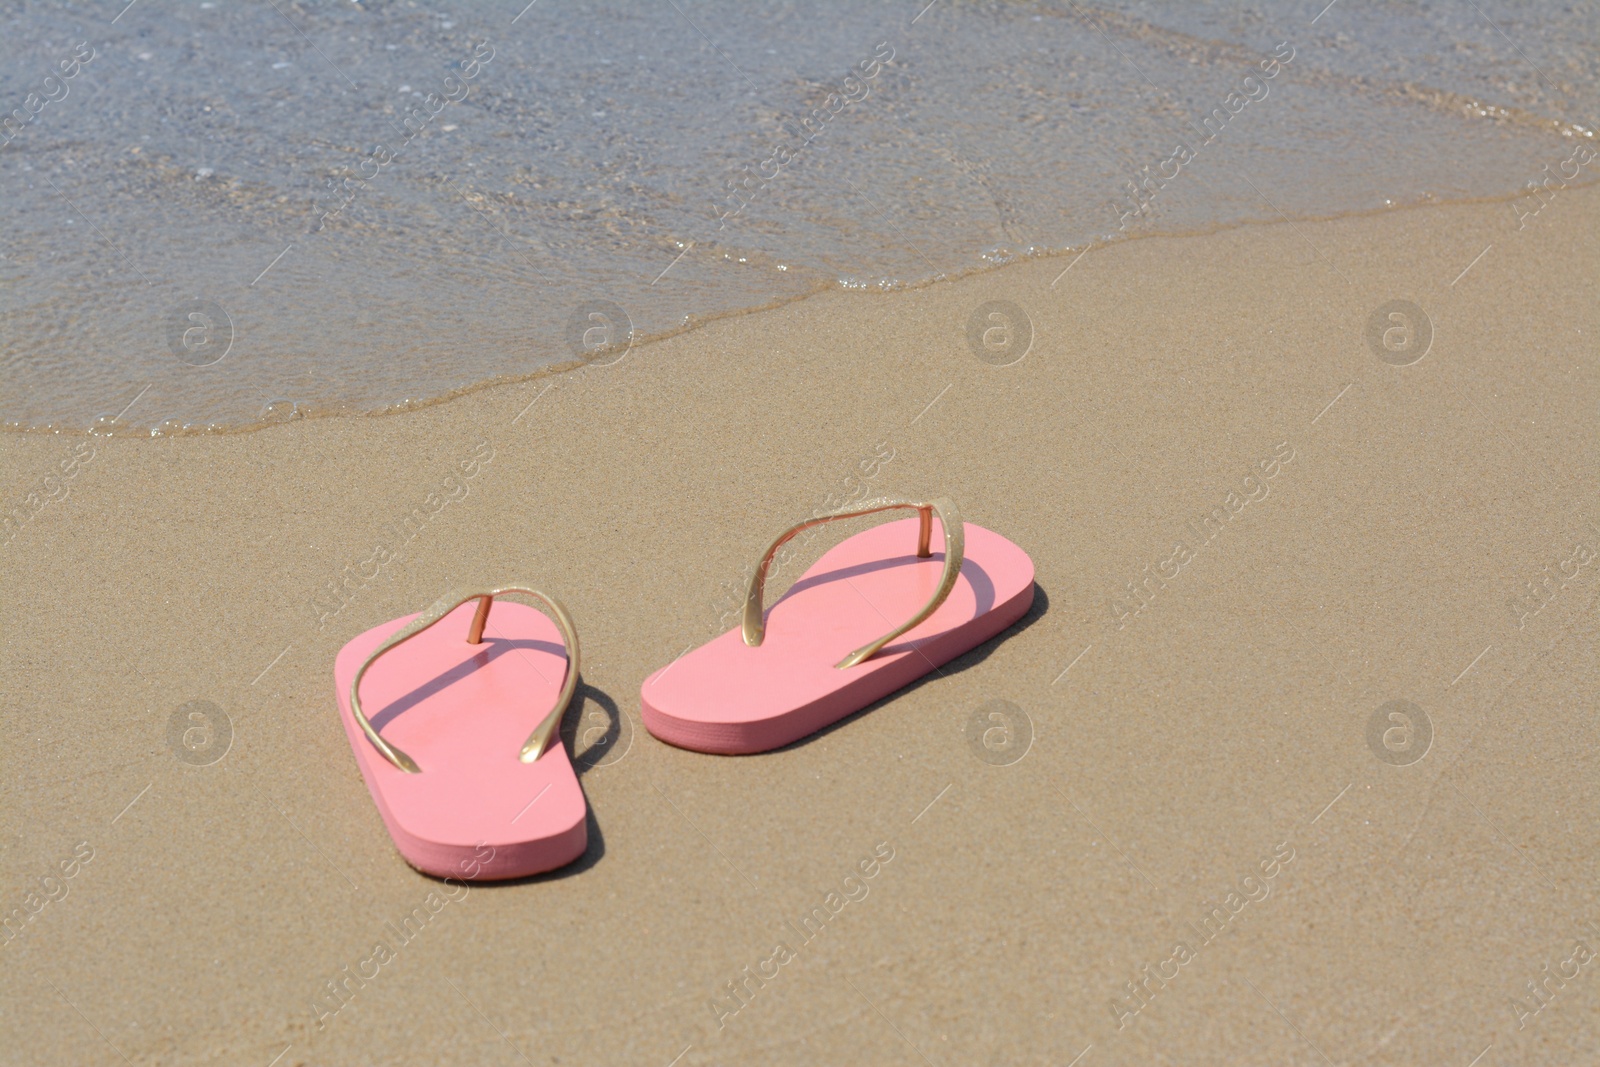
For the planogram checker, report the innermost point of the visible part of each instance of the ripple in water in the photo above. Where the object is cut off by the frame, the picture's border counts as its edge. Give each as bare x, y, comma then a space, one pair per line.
221, 220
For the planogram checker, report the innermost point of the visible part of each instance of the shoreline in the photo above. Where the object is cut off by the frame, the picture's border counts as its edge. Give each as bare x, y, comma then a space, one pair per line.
574, 364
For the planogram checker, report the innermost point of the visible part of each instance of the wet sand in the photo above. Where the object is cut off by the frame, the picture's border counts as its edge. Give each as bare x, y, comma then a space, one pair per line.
1185, 758
355, 208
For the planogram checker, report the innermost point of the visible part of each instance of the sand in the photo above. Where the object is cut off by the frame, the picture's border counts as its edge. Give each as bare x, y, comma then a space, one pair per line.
1205, 734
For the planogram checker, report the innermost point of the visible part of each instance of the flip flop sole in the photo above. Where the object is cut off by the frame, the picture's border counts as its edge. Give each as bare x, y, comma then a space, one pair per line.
475, 812
730, 698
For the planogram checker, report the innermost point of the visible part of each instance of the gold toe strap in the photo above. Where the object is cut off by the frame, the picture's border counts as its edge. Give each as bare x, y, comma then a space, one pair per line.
539, 740
954, 543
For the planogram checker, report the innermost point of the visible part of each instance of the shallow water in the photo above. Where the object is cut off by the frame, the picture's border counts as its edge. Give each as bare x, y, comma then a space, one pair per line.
231, 214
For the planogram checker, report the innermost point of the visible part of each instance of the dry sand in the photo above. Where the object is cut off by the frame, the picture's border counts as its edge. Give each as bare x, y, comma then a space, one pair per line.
1218, 731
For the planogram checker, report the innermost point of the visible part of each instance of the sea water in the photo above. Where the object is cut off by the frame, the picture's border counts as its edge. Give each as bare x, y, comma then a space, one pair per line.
221, 214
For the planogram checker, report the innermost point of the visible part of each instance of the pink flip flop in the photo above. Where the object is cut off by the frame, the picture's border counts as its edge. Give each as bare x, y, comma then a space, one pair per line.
818, 656
482, 799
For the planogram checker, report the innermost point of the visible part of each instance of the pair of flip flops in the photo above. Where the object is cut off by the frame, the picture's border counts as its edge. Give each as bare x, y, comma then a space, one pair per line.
467, 792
